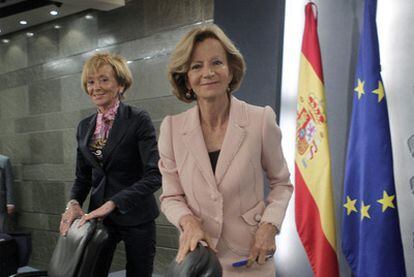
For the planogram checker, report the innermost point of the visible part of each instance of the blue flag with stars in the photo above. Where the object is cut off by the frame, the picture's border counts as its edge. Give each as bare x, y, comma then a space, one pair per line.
371, 239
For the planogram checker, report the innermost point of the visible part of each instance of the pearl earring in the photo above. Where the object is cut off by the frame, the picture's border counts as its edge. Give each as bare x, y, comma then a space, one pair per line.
188, 94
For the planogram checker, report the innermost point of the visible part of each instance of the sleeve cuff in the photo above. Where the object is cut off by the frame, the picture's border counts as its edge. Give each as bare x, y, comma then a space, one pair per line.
118, 204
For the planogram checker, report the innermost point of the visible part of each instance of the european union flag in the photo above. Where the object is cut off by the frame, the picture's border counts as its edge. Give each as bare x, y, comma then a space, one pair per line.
371, 239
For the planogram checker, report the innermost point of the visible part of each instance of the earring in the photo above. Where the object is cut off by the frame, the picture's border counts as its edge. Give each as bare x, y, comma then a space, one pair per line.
188, 94
228, 89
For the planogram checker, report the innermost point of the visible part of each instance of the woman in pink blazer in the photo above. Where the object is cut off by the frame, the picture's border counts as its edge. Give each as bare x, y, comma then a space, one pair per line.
213, 157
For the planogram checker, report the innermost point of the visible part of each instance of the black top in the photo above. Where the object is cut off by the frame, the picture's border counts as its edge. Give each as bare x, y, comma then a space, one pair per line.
213, 159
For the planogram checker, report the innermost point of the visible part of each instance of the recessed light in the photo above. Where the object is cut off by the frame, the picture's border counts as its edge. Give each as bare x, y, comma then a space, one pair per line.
5, 40
88, 16
29, 34
54, 12
57, 26
128, 62
23, 22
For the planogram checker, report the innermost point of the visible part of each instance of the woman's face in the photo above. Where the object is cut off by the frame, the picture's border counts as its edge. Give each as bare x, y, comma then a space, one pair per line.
103, 88
209, 74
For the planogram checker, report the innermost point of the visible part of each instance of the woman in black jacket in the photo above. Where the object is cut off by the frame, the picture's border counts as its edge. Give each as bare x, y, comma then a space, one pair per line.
117, 160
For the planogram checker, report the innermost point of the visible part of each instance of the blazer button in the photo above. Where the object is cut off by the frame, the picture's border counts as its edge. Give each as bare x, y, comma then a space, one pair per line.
257, 217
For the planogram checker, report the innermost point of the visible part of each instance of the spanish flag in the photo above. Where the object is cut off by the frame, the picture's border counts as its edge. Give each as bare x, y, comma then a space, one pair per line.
314, 210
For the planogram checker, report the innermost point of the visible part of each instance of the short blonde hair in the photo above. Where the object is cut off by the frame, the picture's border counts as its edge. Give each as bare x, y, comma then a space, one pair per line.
118, 63
181, 57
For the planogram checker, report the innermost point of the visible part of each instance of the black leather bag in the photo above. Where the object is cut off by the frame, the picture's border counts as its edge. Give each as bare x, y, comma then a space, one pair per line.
75, 254
202, 262
91, 253
8, 255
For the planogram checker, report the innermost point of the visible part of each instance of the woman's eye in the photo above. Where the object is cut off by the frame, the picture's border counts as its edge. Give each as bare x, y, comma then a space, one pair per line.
195, 66
217, 62
90, 82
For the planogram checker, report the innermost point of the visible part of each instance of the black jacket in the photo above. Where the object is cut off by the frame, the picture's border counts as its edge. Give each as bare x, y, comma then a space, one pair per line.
129, 173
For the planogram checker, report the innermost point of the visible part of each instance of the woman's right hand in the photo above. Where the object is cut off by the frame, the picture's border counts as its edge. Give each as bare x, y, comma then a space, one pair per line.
74, 212
192, 234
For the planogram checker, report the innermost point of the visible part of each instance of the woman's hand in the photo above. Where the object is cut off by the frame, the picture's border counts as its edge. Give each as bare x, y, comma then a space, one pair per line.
99, 213
191, 235
264, 244
74, 212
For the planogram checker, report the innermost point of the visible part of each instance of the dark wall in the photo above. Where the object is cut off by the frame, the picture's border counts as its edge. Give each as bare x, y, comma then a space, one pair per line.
256, 27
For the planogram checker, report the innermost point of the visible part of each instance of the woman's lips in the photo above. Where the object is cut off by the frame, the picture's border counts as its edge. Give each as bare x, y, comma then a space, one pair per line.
208, 84
98, 94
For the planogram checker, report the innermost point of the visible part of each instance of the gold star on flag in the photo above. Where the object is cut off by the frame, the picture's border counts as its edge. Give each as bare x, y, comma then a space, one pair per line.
364, 211
386, 201
379, 91
350, 205
360, 88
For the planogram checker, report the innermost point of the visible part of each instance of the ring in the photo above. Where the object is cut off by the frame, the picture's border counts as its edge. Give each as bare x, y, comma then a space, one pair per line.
86, 214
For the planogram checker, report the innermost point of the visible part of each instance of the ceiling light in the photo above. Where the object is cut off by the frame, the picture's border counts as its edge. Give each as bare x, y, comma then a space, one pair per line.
5, 40
57, 26
88, 16
23, 22
29, 34
54, 12
128, 62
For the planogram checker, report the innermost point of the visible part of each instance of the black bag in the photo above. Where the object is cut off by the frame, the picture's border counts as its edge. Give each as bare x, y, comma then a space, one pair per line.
24, 246
8, 255
202, 262
91, 253
75, 254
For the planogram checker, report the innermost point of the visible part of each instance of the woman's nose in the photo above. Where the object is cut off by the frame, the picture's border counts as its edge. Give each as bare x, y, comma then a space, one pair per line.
209, 72
96, 85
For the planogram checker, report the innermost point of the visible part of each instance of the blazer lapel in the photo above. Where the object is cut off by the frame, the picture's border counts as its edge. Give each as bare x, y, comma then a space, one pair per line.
118, 130
194, 141
233, 138
90, 128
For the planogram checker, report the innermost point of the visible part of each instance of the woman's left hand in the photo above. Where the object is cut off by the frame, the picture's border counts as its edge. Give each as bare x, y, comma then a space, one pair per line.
99, 213
264, 244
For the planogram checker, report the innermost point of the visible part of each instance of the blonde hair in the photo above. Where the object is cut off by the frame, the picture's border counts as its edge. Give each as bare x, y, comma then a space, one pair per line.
181, 57
122, 72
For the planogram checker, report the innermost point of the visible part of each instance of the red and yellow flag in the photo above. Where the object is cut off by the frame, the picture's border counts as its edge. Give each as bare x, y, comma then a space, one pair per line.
314, 212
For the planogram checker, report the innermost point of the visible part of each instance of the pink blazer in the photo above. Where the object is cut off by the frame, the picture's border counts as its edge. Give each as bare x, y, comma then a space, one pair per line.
230, 203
